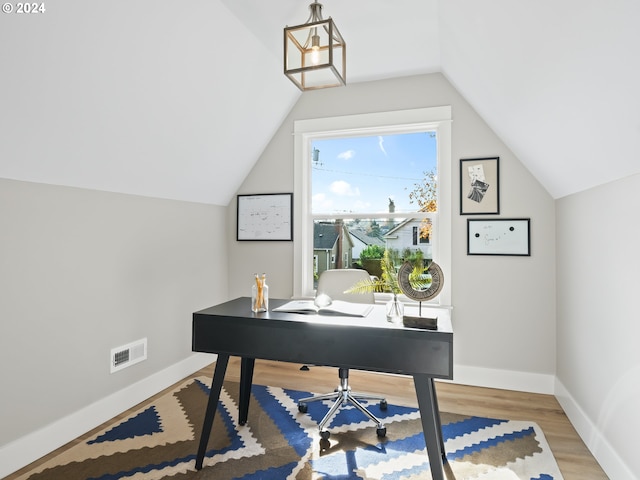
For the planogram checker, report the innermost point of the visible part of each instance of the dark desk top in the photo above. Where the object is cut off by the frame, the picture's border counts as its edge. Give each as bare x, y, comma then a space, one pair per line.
369, 343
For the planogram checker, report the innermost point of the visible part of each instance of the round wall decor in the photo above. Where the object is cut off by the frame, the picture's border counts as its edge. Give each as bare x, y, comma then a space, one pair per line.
417, 294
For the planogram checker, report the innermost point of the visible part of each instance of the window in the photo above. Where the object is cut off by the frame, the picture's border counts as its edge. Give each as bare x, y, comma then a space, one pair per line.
420, 236
369, 193
354, 174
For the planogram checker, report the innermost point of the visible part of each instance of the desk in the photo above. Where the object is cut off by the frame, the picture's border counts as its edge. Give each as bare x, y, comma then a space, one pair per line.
370, 343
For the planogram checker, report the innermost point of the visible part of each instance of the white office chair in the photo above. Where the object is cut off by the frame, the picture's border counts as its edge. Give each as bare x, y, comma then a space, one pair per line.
334, 283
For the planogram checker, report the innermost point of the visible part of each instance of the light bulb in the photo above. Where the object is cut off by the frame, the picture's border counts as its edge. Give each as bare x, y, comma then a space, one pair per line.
315, 55
315, 49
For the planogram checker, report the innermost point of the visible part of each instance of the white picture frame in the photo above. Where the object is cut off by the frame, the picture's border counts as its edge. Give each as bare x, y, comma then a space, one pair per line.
504, 236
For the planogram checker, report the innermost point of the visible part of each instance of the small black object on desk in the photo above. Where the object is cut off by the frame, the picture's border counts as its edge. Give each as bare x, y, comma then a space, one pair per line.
428, 323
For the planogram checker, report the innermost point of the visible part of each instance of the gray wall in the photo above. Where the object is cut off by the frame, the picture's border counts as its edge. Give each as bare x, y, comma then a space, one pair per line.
598, 321
504, 307
82, 272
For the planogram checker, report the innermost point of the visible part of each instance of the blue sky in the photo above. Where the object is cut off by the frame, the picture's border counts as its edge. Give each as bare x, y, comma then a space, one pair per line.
360, 174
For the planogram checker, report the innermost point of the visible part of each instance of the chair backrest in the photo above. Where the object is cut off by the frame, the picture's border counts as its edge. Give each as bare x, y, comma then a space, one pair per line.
335, 282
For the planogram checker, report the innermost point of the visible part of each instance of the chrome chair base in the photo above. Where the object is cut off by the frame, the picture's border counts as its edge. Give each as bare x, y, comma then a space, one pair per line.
341, 396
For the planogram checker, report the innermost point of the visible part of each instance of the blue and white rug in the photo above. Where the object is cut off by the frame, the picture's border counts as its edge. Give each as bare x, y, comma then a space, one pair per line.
159, 442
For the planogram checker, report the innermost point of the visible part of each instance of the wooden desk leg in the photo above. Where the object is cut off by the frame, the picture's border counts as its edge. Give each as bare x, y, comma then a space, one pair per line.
425, 391
246, 380
212, 405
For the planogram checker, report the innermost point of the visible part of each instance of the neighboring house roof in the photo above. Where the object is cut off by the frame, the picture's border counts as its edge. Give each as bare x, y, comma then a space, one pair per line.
365, 238
325, 236
400, 226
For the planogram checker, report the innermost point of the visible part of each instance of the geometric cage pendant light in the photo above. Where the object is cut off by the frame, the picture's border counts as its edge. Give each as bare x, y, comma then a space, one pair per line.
315, 54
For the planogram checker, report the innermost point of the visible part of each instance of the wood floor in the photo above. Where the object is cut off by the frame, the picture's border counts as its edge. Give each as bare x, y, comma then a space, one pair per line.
573, 457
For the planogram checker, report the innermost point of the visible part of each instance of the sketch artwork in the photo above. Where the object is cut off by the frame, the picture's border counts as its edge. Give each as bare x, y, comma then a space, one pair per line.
476, 176
479, 186
505, 236
265, 217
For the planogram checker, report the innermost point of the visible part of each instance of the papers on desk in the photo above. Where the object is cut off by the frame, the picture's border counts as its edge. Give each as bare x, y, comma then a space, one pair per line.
337, 307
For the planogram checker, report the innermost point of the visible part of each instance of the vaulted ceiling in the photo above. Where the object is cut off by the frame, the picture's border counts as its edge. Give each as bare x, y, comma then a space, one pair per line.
154, 98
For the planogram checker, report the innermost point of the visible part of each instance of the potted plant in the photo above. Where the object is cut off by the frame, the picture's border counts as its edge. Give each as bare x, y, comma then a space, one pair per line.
388, 282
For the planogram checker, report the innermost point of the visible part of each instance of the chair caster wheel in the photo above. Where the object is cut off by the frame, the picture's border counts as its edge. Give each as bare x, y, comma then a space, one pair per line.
381, 432
302, 407
325, 434
383, 405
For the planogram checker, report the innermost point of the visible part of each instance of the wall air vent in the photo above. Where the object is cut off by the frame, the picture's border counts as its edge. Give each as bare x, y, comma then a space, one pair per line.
127, 355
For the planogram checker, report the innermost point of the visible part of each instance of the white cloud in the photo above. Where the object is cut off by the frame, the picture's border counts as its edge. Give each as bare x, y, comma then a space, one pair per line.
381, 145
342, 188
346, 155
321, 203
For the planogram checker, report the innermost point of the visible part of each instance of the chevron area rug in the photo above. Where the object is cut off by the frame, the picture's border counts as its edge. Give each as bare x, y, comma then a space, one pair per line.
159, 442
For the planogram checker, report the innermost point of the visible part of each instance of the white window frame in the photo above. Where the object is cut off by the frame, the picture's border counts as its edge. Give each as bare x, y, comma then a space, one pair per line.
437, 119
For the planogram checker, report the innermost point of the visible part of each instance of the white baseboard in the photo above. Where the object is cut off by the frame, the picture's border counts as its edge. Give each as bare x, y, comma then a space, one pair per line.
33, 446
504, 379
600, 448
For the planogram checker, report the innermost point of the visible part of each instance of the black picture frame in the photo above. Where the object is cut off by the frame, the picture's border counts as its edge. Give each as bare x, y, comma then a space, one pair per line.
264, 217
499, 236
480, 186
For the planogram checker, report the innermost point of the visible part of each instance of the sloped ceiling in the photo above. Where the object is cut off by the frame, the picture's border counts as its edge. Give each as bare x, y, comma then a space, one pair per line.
159, 99
556, 80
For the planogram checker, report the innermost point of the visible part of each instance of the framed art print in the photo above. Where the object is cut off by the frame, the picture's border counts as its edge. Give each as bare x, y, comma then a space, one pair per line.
504, 236
267, 216
479, 186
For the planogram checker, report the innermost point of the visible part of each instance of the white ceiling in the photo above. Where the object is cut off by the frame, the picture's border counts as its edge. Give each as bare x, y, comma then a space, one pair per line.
150, 98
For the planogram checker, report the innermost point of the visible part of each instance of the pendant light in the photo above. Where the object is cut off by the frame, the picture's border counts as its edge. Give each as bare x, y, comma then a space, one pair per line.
315, 54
